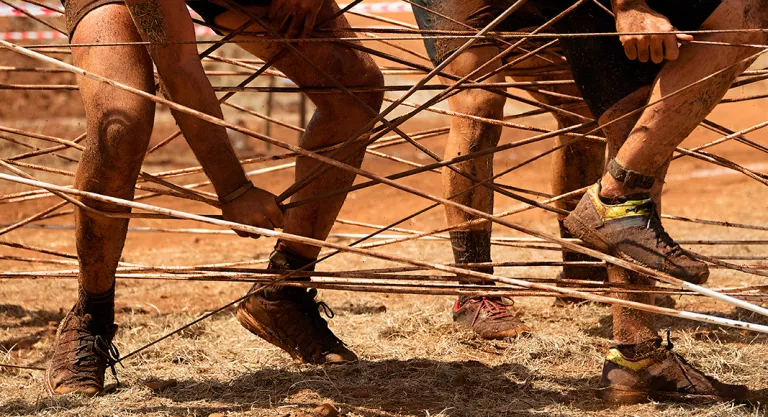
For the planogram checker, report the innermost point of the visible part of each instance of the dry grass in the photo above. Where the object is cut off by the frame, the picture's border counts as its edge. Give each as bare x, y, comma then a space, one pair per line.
413, 361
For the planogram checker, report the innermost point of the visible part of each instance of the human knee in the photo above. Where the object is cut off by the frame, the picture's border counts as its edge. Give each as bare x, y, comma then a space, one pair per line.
362, 75
121, 138
371, 77
338, 115
479, 103
473, 106
741, 14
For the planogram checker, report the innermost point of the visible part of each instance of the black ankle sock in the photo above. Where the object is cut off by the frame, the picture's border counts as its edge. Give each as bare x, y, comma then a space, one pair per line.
639, 350
101, 307
472, 246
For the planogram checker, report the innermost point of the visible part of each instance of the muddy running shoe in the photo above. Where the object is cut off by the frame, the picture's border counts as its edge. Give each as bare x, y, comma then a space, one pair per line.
632, 230
289, 318
81, 357
660, 375
489, 317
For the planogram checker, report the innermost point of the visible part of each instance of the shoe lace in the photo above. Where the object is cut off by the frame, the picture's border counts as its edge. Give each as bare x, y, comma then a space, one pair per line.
90, 348
494, 308
313, 309
663, 239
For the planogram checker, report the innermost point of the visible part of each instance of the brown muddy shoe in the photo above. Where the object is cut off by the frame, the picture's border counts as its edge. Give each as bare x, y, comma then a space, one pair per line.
289, 318
660, 375
489, 317
291, 321
632, 230
81, 357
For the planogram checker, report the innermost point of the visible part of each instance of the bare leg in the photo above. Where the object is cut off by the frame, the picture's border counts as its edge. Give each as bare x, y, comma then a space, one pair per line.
473, 245
637, 345
468, 136
119, 125
666, 124
337, 117
288, 317
630, 327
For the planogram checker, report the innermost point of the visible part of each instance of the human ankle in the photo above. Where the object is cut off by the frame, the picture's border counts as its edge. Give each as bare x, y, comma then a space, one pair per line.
284, 258
303, 253
614, 192
612, 189
621, 182
639, 350
100, 306
471, 247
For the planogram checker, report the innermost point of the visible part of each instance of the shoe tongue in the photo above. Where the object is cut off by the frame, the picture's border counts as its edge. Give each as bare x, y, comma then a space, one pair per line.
77, 318
281, 292
285, 258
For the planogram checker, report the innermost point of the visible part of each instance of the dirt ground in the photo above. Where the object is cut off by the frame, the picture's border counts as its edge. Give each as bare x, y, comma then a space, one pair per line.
414, 362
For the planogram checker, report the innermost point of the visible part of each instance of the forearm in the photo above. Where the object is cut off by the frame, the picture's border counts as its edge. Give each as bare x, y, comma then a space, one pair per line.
209, 142
164, 23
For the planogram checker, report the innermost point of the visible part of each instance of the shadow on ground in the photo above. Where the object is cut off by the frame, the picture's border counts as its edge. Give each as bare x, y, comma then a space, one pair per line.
415, 386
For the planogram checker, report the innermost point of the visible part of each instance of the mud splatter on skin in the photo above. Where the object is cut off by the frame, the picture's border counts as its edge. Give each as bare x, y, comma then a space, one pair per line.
148, 16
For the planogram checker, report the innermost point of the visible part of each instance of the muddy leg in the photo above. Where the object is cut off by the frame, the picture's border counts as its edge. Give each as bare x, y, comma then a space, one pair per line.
119, 125
336, 118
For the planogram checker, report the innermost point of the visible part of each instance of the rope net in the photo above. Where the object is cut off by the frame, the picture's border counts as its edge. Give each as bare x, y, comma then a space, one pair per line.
38, 168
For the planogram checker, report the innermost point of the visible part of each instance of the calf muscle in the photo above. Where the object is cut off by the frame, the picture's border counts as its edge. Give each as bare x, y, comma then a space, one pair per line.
119, 125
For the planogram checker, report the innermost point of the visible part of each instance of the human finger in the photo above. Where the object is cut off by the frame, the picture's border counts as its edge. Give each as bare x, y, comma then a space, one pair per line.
309, 24
295, 26
642, 50
671, 50
275, 215
280, 21
656, 47
630, 49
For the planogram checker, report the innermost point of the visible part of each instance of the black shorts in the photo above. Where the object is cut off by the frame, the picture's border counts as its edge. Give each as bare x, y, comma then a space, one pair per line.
599, 66
209, 11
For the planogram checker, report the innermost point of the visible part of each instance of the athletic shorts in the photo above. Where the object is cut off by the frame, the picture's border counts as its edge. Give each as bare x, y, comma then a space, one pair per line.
600, 68
210, 11
75, 11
